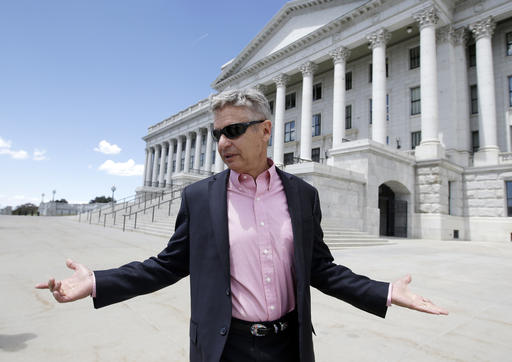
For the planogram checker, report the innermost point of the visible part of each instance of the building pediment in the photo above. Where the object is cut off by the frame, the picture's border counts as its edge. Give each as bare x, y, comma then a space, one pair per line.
295, 21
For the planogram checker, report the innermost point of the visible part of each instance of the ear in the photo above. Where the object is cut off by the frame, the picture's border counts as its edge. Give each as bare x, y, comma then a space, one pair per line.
267, 129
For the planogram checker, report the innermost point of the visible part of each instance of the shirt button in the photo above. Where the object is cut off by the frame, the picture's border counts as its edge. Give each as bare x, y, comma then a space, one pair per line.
223, 331
265, 251
262, 223
257, 199
268, 279
272, 307
244, 177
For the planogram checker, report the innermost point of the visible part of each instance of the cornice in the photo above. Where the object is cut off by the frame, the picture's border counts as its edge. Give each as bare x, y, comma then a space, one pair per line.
231, 73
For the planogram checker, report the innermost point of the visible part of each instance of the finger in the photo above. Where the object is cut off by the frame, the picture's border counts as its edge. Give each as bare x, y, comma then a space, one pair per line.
71, 264
42, 286
51, 284
407, 279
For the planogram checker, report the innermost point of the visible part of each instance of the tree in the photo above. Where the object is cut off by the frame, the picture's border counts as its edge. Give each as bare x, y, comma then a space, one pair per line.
25, 209
100, 199
62, 201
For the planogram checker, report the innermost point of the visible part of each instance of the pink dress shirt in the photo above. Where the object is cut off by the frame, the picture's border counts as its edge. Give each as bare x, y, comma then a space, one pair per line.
261, 247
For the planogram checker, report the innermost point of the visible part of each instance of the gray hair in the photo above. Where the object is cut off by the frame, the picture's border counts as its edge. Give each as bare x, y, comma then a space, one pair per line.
252, 99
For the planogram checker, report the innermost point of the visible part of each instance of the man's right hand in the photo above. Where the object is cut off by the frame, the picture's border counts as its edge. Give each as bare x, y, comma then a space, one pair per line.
78, 286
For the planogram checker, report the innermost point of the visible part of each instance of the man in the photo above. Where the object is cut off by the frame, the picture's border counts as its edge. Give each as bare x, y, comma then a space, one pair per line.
251, 241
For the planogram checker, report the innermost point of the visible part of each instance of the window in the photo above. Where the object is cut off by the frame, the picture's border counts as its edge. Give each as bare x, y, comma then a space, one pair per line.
316, 124
415, 139
315, 154
175, 147
213, 155
508, 38
348, 116
450, 197
317, 91
387, 107
508, 184
472, 55
182, 163
348, 81
203, 140
271, 106
173, 165
370, 110
414, 57
289, 131
474, 99
191, 163
510, 91
201, 159
289, 101
415, 101
288, 158
475, 141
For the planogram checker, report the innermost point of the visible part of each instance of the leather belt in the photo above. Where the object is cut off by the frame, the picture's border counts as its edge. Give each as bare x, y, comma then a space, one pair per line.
262, 329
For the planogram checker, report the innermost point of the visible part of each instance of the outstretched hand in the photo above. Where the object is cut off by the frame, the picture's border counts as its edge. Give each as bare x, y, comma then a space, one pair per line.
402, 296
78, 286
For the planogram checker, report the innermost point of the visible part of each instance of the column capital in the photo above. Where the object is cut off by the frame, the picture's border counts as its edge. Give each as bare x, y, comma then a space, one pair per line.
445, 34
340, 54
483, 28
308, 68
260, 87
378, 38
281, 80
460, 36
426, 17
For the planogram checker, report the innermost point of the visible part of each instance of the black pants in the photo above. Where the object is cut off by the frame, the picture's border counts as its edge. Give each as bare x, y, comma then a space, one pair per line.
244, 347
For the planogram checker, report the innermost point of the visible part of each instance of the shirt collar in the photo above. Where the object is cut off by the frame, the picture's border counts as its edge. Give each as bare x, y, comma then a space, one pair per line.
269, 176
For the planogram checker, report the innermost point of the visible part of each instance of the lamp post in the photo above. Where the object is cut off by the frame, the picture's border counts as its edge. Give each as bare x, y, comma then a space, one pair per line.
113, 188
42, 198
53, 197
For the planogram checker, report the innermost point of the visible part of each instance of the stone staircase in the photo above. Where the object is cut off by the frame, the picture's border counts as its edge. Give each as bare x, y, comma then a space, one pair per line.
337, 237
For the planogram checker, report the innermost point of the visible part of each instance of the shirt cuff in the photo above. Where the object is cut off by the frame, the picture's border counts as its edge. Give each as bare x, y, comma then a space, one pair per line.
388, 302
93, 294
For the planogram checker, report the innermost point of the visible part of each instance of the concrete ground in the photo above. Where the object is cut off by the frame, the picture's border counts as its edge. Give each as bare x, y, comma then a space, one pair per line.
473, 280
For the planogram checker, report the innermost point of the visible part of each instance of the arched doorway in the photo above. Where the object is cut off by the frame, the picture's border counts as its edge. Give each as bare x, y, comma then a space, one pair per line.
393, 209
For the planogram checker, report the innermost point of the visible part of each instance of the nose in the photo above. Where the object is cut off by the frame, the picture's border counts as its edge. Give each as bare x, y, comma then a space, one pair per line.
224, 141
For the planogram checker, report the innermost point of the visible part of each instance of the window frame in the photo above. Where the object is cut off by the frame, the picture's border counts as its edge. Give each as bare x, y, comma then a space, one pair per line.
473, 99
508, 44
414, 57
348, 81
415, 139
316, 125
508, 198
289, 131
314, 156
290, 101
317, 91
415, 102
348, 116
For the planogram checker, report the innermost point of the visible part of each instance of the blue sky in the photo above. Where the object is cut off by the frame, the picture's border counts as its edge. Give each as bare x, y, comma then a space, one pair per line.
76, 73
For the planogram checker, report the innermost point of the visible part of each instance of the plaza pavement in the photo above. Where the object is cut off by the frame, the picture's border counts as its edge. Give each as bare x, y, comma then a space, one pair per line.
473, 280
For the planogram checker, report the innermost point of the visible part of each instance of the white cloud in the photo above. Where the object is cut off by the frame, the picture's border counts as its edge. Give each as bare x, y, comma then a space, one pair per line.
5, 149
128, 168
39, 155
107, 148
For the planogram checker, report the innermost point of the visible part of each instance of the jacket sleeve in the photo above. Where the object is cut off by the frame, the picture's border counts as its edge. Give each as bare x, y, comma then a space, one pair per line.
339, 281
137, 278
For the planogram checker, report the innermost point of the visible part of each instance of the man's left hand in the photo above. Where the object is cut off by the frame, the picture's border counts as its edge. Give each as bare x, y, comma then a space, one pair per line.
402, 296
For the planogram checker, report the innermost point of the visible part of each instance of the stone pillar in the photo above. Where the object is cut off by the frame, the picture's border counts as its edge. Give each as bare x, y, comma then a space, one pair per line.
197, 153
340, 56
488, 153
462, 92
208, 153
219, 164
430, 147
307, 70
161, 173
172, 142
154, 178
188, 145
278, 141
179, 148
146, 168
378, 42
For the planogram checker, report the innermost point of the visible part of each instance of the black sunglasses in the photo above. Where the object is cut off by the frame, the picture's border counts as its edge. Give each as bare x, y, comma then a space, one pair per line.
234, 130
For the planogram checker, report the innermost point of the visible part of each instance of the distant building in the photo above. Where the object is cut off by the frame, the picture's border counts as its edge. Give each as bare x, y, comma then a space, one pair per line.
53, 208
401, 109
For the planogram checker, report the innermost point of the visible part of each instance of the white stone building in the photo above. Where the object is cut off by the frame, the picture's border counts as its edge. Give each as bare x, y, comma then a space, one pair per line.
404, 107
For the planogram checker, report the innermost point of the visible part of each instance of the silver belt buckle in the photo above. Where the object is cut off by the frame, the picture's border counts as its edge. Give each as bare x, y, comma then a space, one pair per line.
255, 329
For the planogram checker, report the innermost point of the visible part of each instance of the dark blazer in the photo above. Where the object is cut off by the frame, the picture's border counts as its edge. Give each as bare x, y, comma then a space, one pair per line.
200, 248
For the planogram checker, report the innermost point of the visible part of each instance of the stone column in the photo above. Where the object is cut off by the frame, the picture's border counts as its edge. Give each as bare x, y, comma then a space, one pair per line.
488, 153
179, 148
154, 178
197, 153
172, 142
307, 70
208, 153
340, 56
219, 164
278, 141
459, 38
161, 173
378, 42
146, 168
430, 147
188, 145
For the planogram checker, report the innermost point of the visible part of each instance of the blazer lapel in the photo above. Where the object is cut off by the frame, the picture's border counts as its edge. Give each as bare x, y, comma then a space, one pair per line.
294, 208
217, 197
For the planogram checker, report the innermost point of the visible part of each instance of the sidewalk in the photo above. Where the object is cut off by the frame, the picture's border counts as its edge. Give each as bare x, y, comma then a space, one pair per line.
472, 280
